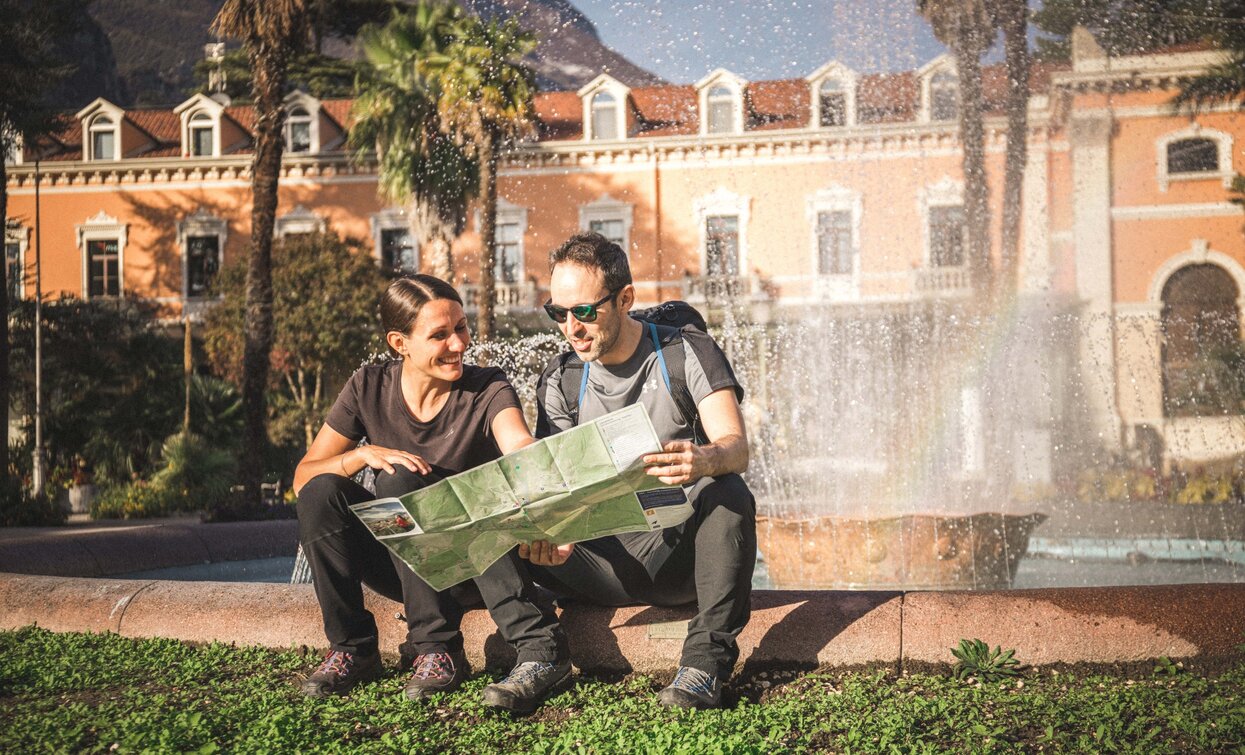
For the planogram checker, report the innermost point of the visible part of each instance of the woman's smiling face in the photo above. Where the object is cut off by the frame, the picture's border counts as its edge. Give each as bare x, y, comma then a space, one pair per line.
437, 340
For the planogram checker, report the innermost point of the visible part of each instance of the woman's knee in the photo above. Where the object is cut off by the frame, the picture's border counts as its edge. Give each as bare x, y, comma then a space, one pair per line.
398, 483
323, 502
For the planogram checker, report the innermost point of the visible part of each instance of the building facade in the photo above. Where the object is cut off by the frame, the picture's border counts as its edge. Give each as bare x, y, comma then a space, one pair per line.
841, 188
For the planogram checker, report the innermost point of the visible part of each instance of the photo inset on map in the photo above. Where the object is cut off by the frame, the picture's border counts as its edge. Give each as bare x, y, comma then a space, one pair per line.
386, 517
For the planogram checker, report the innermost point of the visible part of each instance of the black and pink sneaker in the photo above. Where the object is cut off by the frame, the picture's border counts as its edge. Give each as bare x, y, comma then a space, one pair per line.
436, 672
341, 672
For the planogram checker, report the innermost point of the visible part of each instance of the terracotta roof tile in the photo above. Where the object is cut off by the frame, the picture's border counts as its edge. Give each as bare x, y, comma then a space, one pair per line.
884, 97
161, 125
339, 111
782, 100
560, 115
667, 105
243, 115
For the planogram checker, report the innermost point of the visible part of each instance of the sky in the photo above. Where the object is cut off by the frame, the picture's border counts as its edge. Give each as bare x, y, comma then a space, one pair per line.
682, 40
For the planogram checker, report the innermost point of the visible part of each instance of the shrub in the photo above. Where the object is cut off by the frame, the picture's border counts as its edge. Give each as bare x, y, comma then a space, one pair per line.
19, 509
976, 659
136, 500
194, 476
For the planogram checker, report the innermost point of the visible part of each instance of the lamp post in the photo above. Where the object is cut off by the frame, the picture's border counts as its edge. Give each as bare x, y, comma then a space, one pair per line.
38, 474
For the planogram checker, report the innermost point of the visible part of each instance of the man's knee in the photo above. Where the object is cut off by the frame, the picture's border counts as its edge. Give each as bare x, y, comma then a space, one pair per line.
728, 498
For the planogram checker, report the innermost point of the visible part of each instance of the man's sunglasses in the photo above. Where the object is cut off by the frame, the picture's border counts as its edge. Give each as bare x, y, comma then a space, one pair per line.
582, 312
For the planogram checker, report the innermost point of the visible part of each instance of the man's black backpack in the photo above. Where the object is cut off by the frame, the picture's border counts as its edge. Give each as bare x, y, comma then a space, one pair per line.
664, 324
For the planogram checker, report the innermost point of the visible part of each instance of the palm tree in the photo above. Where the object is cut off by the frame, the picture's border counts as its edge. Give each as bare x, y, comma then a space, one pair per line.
396, 115
1012, 16
965, 27
272, 31
485, 102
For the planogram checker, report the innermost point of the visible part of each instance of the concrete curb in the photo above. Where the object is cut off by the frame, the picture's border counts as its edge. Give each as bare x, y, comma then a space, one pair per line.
801, 630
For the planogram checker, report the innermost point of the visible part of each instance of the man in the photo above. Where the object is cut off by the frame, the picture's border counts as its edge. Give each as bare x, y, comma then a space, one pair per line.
709, 558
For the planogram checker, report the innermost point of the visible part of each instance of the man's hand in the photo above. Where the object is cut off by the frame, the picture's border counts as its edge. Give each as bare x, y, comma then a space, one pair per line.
545, 553
680, 463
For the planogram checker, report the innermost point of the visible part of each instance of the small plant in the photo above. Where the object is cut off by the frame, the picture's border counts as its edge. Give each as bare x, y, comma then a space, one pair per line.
1167, 667
976, 659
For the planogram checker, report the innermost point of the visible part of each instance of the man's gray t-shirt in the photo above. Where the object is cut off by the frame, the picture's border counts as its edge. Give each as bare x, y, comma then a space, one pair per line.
639, 380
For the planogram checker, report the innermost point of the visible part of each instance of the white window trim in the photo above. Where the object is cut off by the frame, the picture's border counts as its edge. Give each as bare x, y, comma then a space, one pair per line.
845, 76
298, 220
192, 124
1194, 131
508, 212
608, 208
93, 128
835, 198
946, 192
202, 223
723, 202
20, 235
620, 92
737, 86
1198, 253
392, 219
200, 103
940, 64
312, 106
102, 227
86, 118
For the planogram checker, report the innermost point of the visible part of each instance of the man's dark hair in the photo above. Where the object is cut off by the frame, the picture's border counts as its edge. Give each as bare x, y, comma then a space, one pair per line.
594, 251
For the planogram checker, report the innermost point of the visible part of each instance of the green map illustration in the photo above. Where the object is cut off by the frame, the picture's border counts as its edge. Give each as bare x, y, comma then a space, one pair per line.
578, 485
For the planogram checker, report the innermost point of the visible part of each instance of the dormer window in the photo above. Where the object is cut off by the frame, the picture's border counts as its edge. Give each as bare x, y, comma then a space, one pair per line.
604, 116
298, 130
202, 135
720, 110
944, 96
832, 104
103, 136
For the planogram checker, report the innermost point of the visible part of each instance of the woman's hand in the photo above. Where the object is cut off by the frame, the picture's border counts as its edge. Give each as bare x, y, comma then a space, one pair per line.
545, 553
379, 457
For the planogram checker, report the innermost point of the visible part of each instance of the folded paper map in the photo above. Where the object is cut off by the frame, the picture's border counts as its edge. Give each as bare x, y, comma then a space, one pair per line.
584, 483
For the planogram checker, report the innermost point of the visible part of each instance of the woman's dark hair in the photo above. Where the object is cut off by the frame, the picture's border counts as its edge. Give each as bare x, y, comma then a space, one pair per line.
407, 295
595, 252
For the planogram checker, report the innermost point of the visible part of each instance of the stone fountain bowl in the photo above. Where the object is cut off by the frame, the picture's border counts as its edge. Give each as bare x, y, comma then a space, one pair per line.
905, 552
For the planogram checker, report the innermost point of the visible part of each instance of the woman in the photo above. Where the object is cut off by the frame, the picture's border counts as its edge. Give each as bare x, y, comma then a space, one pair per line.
426, 416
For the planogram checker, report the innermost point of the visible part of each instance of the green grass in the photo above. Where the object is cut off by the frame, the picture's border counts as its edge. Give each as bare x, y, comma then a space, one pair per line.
98, 693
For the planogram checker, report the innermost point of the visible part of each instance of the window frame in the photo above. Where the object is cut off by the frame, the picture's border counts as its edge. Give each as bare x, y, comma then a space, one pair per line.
847, 80
102, 227
943, 65
1196, 131
197, 122
735, 87
19, 235
200, 224
835, 198
509, 213
96, 128
723, 202
298, 221
605, 84
392, 219
944, 193
606, 208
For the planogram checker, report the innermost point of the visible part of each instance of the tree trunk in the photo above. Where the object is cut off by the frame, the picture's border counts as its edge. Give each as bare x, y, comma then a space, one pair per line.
967, 50
488, 241
269, 66
434, 237
1015, 29
4, 309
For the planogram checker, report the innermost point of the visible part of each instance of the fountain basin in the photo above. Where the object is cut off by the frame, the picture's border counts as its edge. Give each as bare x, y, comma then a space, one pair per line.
906, 552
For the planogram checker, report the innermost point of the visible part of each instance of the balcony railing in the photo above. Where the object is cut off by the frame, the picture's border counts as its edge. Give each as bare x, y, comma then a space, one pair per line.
519, 295
942, 280
719, 289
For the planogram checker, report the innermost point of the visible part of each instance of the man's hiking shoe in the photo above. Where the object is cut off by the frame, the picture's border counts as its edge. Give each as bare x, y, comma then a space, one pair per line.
526, 685
692, 688
437, 672
341, 672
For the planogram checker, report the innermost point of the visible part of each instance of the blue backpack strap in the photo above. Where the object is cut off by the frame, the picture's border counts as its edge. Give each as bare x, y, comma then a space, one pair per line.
661, 357
672, 357
583, 388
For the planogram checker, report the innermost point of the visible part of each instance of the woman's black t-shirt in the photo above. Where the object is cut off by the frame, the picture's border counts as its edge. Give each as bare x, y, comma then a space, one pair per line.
458, 438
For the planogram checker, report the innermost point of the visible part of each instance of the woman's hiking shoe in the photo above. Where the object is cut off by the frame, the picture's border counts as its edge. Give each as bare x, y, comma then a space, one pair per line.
341, 672
692, 688
436, 672
526, 685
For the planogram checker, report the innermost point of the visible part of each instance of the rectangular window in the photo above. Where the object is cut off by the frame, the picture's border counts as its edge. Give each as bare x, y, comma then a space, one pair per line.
103, 260
13, 268
300, 137
721, 117
944, 104
833, 110
397, 250
202, 262
102, 145
509, 239
604, 123
834, 243
946, 236
201, 142
611, 229
722, 245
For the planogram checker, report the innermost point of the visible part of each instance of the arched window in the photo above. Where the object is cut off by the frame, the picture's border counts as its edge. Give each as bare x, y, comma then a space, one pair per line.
1197, 155
298, 130
1201, 329
202, 135
833, 104
721, 106
103, 138
944, 97
604, 116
